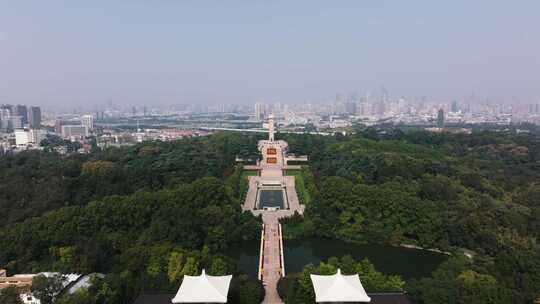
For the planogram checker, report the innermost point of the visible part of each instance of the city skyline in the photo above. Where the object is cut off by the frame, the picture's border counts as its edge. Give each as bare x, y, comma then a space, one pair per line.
167, 52
269, 151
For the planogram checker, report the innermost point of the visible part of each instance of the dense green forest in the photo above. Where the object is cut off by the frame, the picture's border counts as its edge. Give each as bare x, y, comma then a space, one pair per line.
297, 288
144, 215
147, 214
32, 183
477, 194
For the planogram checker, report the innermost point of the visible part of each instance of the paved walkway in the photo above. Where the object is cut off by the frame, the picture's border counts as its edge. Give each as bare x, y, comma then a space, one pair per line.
271, 268
251, 195
292, 196
272, 173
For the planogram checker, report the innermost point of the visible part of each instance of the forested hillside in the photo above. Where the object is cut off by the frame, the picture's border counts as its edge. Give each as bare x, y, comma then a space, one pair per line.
144, 215
461, 193
147, 214
35, 182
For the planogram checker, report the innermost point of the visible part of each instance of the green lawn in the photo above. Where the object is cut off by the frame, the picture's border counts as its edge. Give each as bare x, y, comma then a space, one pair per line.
303, 194
244, 183
246, 173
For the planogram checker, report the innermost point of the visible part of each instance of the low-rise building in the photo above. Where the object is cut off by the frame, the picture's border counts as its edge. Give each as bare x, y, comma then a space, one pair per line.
77, 131
28, 137
23, 283
22, 138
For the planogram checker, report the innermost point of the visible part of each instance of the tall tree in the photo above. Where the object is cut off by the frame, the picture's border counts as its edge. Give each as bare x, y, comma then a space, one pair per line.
10, 295
47, 288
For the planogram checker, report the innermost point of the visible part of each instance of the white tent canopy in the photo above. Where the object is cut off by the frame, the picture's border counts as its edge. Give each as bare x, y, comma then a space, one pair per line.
338, 288
203, 289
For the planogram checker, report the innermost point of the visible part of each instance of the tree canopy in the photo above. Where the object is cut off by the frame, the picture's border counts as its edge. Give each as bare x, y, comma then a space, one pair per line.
297, 288
147, 214
453, 192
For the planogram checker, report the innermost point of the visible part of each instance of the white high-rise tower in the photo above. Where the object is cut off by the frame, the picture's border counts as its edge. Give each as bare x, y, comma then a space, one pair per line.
88, 122
271, 127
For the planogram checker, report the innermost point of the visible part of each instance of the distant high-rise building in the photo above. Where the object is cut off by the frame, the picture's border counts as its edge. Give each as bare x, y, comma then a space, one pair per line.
58, 126
454, 107
4, 118
532, 109
402, 106
440, 118
384, 95
259, 111
350, 108
100, 116
22, 111
363, 108
278, 107
34, 117
8, 108
15, 122
88, 122
379, 108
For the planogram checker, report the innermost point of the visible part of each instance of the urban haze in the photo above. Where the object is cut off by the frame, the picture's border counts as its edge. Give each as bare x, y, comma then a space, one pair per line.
275, 152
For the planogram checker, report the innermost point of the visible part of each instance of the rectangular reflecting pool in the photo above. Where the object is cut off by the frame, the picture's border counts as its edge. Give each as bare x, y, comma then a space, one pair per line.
271, 199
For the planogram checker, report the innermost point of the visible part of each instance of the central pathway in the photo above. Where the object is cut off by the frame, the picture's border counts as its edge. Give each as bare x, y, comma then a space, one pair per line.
271, 169
272, 258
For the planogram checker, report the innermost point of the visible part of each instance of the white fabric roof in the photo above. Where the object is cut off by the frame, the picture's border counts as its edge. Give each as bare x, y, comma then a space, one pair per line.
203, 289
338, 288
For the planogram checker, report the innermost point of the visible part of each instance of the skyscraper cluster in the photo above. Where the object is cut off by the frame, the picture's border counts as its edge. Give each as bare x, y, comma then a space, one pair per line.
19, 116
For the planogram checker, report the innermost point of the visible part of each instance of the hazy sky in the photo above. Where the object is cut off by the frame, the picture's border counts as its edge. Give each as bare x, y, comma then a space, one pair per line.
165, 52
